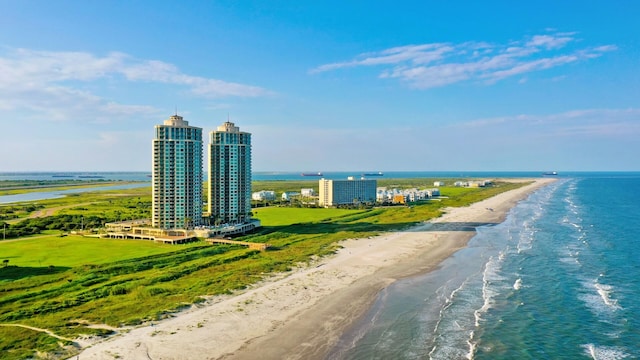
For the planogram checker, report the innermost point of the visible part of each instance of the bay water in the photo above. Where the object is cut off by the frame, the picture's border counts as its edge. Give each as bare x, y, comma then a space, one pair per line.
558, 279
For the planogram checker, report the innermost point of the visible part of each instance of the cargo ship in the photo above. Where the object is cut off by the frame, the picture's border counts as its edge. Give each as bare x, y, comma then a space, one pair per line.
311, 174
550, 173
379, 173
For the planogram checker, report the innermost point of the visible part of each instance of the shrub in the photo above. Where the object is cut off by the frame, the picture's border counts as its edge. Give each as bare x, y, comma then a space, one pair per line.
152, 291
118, 290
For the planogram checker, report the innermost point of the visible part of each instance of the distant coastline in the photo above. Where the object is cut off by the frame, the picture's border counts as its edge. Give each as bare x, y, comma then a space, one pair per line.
295, 175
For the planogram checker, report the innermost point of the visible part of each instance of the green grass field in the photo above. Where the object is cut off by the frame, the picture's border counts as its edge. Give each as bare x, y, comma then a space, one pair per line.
66, 283
71, 251
278, 216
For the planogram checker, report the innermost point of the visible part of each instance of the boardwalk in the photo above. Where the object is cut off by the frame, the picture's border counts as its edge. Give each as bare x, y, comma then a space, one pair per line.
251, 245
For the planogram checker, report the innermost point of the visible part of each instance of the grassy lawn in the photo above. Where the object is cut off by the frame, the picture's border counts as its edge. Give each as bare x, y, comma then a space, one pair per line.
278, 216
72, 250
126, 282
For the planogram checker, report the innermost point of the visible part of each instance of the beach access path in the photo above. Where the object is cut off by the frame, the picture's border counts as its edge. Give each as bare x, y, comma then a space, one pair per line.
302, 314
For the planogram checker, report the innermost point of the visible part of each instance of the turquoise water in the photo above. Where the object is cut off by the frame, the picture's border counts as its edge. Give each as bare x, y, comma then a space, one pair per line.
559, 279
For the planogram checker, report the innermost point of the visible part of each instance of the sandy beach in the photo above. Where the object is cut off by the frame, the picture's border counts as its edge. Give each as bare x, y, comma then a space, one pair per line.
301, 314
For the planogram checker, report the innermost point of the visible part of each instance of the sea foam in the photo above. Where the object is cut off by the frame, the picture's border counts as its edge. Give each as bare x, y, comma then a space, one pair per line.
604, 353
518, 284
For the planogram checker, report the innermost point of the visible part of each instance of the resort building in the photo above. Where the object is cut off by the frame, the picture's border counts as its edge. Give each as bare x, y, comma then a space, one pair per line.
385, 195
289, 195
343, 192
229, 175
307, 192
177, 175
263, 195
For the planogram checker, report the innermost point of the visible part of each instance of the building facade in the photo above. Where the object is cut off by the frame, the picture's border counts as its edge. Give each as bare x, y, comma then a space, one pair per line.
177, 175
263, 195
344, 192
229, 175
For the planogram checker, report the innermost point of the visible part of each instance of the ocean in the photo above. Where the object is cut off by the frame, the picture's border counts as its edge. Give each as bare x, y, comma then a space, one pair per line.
273, 175
558, 279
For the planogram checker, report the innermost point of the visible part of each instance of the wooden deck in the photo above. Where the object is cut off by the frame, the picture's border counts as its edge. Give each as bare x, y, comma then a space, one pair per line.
251, 245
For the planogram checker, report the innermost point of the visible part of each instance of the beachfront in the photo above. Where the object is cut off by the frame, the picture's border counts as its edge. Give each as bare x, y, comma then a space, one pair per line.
302, 314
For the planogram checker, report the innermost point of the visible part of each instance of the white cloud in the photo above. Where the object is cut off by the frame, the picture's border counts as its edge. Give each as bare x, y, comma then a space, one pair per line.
425, 66
158, 71
53, 84
604, 123
550, 41
416, 54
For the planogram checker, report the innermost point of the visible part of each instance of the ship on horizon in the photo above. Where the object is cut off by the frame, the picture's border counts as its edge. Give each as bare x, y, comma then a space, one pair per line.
550, 173
311, 174
379, 173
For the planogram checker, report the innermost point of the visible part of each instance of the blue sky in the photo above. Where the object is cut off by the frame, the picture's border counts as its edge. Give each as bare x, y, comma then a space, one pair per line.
325, 86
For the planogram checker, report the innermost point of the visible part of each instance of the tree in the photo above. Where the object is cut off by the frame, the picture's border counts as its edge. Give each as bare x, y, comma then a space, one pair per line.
5, 262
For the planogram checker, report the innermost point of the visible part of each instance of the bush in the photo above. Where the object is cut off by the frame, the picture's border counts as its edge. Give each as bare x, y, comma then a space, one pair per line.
118, 290
152, 291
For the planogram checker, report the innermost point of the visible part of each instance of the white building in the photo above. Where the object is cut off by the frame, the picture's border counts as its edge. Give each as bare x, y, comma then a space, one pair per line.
229, 174
438, 183
433, 192
263, 195
307, 192
473, 183
412, 195
343, 192
177, 175
288, 195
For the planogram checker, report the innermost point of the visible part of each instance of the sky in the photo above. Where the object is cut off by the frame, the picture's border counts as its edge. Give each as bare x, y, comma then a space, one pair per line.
325, 85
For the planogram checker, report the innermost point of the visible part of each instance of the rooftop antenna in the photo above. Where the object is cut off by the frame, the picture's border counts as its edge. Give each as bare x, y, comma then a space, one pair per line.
176, 110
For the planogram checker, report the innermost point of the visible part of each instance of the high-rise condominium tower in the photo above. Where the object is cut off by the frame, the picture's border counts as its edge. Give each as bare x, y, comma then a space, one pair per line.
229, 174
177, 174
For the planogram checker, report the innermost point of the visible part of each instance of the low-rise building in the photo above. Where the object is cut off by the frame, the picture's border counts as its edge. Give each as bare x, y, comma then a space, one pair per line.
263, 195
345, 192
409, 195
307, 192
288, 195
399, 199
473, 183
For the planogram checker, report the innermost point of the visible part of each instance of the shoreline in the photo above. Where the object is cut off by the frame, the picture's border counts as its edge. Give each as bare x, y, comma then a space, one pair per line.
303, 313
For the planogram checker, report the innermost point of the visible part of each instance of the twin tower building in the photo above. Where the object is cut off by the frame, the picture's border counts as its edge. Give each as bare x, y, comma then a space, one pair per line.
178, 176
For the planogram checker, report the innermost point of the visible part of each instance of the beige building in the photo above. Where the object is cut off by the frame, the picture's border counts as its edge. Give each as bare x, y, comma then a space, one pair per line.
344, 192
